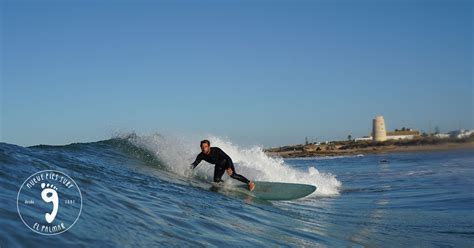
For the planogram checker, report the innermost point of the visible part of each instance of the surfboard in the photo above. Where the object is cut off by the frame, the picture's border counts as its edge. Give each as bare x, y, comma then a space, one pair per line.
274, 191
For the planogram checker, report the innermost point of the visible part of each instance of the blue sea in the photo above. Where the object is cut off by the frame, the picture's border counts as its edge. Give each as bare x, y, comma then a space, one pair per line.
138, 191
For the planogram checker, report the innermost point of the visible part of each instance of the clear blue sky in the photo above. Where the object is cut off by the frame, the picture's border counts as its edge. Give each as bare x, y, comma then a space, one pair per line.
258, 72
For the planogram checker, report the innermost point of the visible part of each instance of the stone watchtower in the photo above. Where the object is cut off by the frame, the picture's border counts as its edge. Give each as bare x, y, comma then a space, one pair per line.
378, 129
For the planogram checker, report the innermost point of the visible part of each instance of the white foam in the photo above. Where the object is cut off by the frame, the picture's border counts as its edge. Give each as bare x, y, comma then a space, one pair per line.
178, 152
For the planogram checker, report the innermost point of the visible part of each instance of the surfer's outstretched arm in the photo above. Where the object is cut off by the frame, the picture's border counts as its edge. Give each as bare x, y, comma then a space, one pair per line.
197, 161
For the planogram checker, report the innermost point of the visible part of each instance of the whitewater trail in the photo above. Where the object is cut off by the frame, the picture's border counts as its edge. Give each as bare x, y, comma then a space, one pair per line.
177, 153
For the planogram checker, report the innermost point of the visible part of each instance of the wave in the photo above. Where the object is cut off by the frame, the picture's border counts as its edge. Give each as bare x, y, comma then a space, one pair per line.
176, 154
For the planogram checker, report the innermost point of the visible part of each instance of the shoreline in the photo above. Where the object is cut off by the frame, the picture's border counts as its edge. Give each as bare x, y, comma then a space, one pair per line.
372, 150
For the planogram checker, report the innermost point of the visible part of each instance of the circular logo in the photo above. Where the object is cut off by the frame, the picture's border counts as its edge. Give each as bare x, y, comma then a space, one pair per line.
49, 202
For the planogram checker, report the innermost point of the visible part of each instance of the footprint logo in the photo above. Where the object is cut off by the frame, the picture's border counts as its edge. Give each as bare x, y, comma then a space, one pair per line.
49, 194
38, 200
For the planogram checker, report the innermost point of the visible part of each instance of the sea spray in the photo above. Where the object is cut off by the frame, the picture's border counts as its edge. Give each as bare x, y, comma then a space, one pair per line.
178, 152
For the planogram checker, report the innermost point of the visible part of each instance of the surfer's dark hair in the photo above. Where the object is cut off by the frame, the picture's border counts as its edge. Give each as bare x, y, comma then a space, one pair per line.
205, 141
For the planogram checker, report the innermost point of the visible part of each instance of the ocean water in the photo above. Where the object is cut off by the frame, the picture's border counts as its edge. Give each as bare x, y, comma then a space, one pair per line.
139, 191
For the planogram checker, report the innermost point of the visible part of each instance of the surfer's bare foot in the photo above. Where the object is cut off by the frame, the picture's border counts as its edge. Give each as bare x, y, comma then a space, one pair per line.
251, 186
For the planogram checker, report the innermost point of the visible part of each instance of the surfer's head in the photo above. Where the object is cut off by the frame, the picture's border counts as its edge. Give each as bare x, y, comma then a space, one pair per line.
205, 146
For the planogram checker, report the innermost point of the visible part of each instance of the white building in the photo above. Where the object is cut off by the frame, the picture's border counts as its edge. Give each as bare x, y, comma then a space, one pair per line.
442, 135
363, 138
461, 133
399, 135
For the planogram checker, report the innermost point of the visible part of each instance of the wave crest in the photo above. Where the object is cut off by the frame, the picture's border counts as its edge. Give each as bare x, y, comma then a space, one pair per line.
177, 153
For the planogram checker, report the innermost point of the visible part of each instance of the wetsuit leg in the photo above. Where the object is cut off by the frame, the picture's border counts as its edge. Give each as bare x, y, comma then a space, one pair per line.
234, 174
218, 172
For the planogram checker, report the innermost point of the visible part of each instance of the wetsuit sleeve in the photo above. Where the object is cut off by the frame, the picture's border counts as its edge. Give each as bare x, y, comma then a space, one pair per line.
197, 161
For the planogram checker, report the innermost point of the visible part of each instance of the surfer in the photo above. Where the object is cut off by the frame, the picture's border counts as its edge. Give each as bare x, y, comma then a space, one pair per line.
222, 162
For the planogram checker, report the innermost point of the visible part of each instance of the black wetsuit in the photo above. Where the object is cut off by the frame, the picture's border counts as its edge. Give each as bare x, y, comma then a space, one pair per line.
222, 161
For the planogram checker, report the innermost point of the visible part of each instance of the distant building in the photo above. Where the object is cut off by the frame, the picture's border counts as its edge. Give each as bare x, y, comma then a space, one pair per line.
379, 133
363, 138
441, 135
378, 129
399, 135
461, 133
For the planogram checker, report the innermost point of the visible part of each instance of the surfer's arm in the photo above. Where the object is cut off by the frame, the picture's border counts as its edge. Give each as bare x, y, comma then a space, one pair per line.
197, 161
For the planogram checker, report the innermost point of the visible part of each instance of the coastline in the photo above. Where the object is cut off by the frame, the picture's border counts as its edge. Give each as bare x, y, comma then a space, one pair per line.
372, 150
